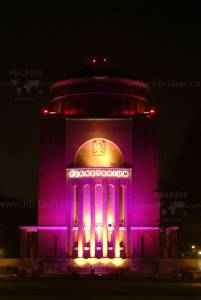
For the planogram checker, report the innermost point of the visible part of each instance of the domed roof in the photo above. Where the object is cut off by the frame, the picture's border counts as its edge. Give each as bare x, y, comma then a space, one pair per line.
99, 90
94, 70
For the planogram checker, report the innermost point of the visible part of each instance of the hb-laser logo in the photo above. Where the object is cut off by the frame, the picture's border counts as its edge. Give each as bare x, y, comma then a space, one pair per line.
27, 84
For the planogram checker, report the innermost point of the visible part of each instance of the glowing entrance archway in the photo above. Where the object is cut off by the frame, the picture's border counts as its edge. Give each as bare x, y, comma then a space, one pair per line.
99, 152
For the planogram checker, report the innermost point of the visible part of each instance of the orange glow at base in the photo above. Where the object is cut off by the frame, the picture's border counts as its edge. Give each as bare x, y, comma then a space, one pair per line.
92, 247
115, 262
117, 249
80, 249
105, 242
118, 261
80, 261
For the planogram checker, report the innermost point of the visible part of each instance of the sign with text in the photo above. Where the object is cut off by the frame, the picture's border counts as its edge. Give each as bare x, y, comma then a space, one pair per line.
83, 173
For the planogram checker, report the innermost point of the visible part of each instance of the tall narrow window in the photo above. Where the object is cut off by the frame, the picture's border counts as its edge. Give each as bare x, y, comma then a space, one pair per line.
110, 205
121, 205
87, 205
99, 204
75, 197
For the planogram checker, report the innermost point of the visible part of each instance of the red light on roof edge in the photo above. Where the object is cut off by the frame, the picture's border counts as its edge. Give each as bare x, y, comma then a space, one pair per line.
152, 111
45, 111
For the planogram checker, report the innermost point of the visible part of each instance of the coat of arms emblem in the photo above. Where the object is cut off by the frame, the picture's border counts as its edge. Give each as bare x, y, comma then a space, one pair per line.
99, 147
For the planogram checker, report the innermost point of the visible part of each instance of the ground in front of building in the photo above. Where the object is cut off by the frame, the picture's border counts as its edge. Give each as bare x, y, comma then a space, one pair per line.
96, 288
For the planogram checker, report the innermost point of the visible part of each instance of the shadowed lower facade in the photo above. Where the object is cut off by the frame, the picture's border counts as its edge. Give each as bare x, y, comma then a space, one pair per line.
98, 204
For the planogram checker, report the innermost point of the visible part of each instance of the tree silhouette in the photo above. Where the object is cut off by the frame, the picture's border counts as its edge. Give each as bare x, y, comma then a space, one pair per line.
183, 178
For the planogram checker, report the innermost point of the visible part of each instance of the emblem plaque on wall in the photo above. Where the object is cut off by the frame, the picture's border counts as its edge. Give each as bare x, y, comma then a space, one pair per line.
99, 147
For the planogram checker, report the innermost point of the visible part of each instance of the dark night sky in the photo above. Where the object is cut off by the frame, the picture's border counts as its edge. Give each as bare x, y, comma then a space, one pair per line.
153, 47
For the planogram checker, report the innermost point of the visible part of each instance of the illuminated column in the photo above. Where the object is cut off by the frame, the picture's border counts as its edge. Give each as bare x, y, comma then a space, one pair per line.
92, 233
80, 221
125, 239
128, 217
104, 233
71, 192
116, 222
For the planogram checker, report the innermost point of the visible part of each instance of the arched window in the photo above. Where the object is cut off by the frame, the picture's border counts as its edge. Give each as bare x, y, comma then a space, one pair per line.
98, 152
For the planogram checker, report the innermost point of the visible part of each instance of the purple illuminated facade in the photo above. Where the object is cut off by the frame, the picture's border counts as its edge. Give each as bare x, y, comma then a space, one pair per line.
98, 180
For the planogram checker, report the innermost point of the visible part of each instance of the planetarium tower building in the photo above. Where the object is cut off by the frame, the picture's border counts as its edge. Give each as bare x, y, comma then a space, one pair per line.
98, 177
